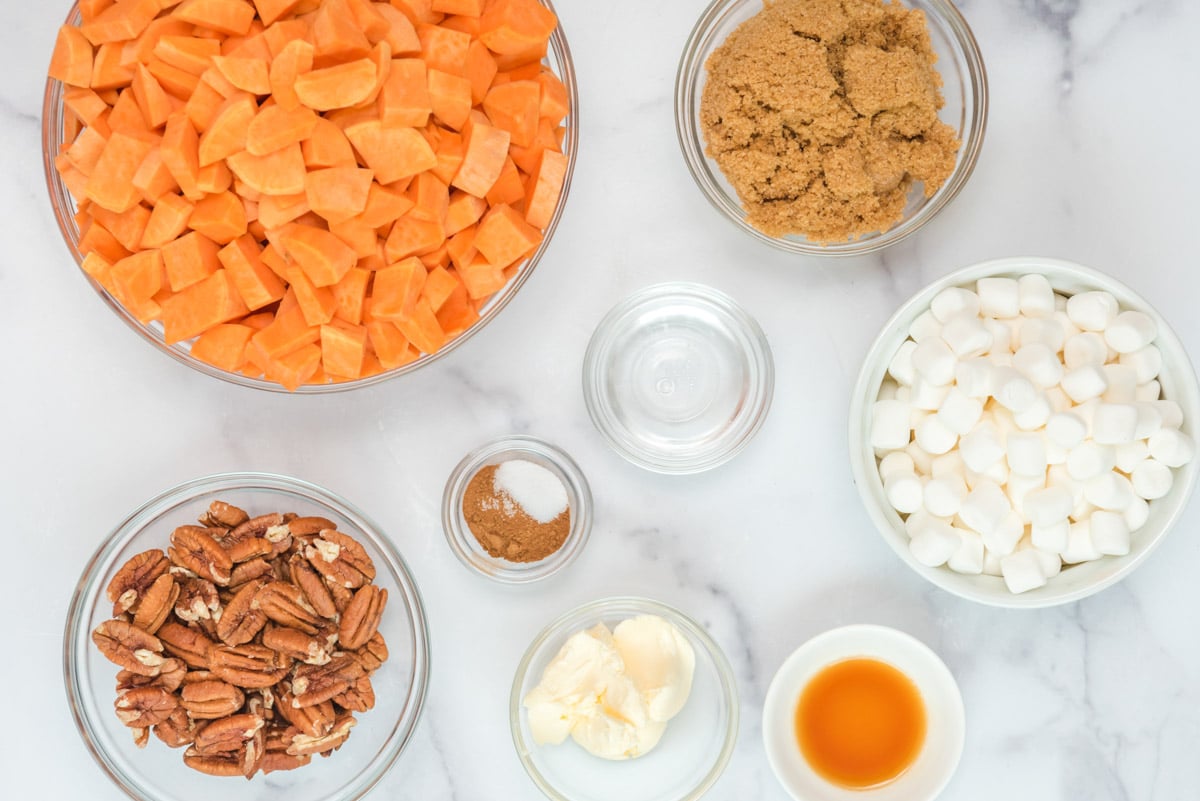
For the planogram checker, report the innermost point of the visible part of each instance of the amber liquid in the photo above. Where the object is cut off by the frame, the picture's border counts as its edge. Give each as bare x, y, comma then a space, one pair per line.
860, 723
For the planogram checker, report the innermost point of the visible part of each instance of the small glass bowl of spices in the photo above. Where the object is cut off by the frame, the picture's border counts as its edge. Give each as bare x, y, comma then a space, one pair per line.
517, 510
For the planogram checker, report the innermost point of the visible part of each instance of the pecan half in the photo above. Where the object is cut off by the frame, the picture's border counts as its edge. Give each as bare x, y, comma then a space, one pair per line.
241, 619
227, 735
198, 600
287, 605
359, 698
248, 666
340, 559
373, 654
169, 677
307, 744
143, 707
361, 617
128, 646
177, 730
250, 571
313, 684
210, 700
186, 643
157, 603
307, 648
223, 514
253, 548
214, 764
302, 575
278, 738
316, 720
134, 578
194, 548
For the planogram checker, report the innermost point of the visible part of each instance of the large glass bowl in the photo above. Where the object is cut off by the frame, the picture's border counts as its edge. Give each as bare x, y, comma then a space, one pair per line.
964, 88
558, 58
693, 751
156, 772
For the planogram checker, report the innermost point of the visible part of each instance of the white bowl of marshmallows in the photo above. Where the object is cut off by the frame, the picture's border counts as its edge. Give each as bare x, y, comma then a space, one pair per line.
1023, 431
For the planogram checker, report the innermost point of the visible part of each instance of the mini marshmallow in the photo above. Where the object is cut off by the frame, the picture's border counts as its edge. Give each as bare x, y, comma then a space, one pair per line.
1027, 454
924, 327
918, 521
896, 463
1022, 571
934, 545
968, 558
1055, 453
1130, 455
1002, 337
1122, 383
973, 378
1084, 349
1089, 460
944, 496
1019, 486
1049, 506
1092, 311
1110, 491
934, 437
922, 461
1012, 390
958, 412
927, 395
1035, 295
1043, 331
954, 302
1082, 511
999, 297
1039, 364
890, 427
1146, 363
1066, 429
1137, 514
947, 465
901, 365
1036, 416
1110, 533
1051, 538
1003, 539
1085, 383
967, 337
1151, 480
904, 492
1171, 413
1172, 447
1050, 563
1079, 544
982, 447
1114, 423
998, 474
991, 563
1150, 391
1149, 420
1130, 331
934, 360
985, 508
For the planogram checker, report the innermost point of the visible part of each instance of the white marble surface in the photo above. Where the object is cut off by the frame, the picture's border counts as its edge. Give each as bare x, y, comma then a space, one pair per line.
1090, 155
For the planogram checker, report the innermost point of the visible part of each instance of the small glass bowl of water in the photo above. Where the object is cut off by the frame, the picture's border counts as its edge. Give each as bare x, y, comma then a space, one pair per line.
678, 378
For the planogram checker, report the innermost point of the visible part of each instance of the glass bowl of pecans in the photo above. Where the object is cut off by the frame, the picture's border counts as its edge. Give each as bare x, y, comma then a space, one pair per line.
246, 624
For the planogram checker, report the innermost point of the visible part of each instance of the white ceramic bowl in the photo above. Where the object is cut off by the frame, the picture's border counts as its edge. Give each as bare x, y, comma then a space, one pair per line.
945, 719
1178, 380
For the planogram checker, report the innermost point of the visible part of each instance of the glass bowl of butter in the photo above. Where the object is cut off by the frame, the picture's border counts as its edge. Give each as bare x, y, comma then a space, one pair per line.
624, 699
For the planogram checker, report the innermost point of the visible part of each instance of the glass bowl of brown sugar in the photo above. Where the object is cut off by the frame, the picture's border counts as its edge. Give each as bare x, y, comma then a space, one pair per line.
829, 136
517, 510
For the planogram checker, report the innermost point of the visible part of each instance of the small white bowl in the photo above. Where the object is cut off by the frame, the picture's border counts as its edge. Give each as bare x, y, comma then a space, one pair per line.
1178, 380
944, 716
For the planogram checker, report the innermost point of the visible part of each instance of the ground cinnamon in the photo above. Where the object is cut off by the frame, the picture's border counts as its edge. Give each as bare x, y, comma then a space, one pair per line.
823, 113
504, 528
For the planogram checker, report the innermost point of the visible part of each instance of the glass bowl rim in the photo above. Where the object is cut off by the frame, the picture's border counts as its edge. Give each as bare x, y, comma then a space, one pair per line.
89, 586
61, 203
642, 605
517, 573
758, 357
691, 64
866, 388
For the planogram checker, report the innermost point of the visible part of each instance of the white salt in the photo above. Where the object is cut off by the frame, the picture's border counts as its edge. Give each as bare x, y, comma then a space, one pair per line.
538, 491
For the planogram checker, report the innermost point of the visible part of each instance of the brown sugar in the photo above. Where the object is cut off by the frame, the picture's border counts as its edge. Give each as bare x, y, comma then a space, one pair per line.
504, 528
823, 113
